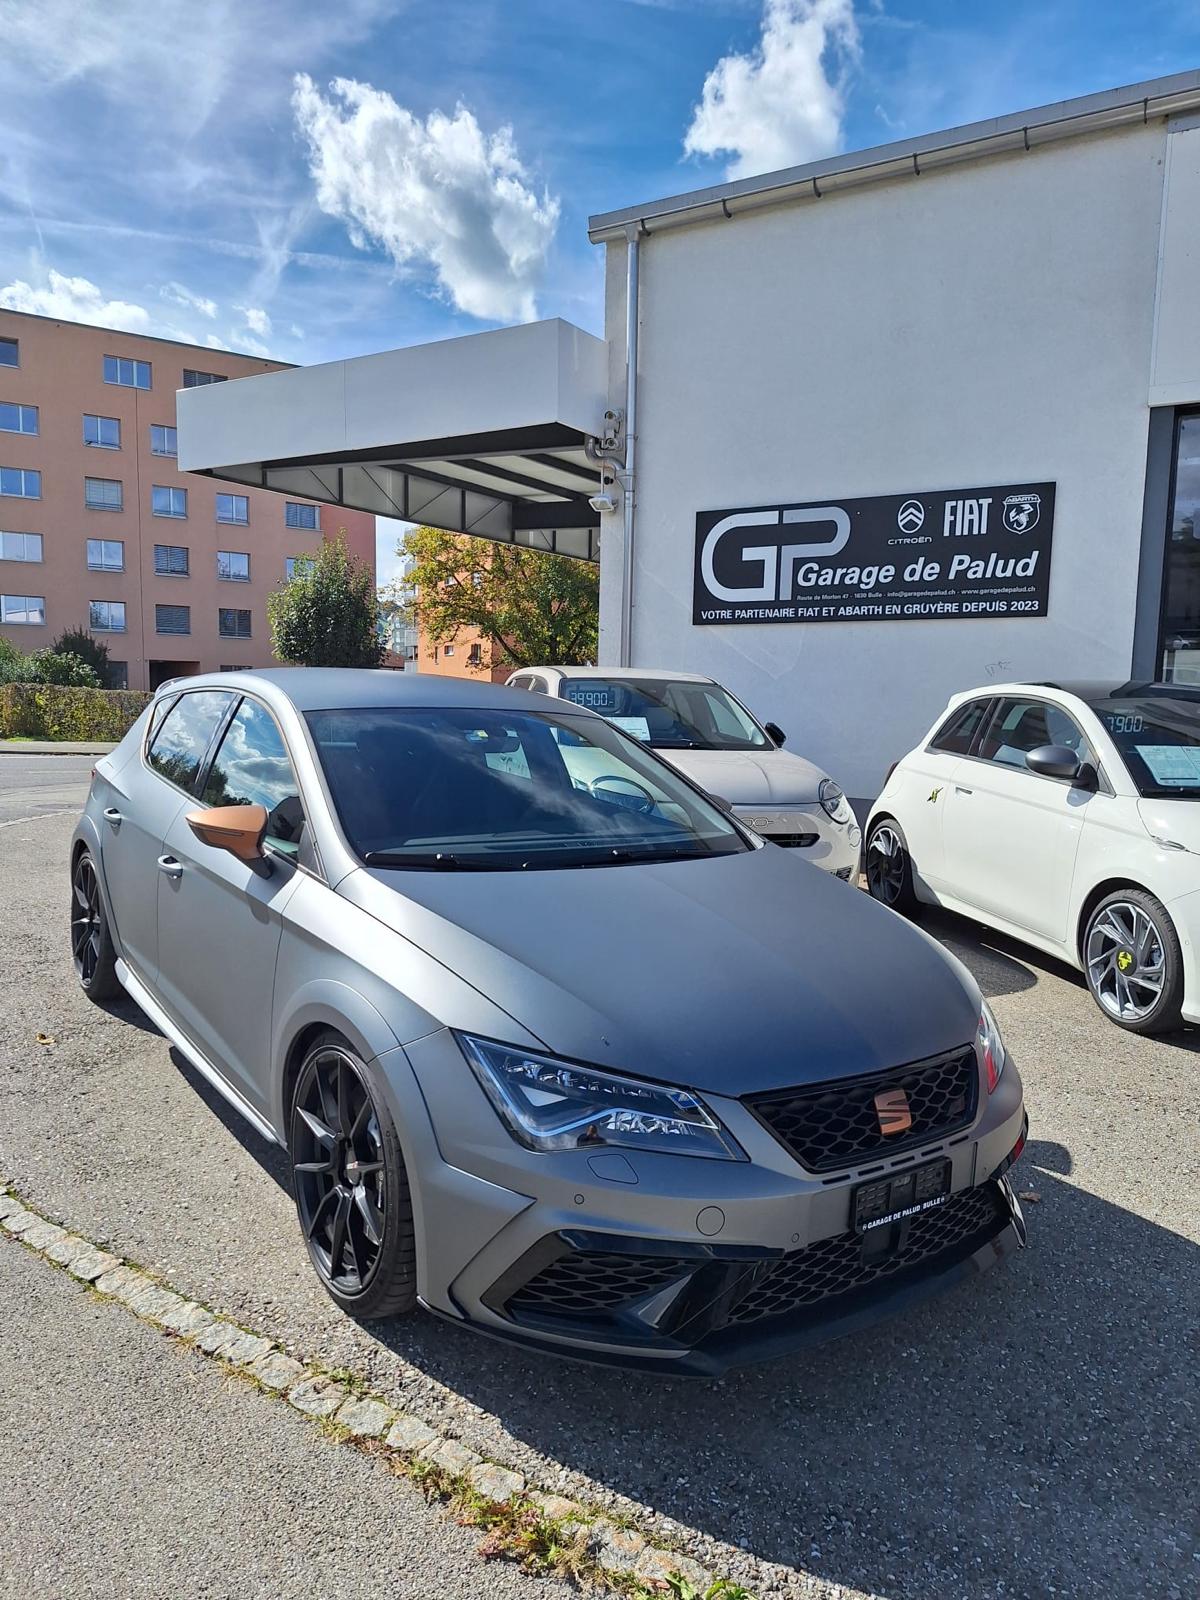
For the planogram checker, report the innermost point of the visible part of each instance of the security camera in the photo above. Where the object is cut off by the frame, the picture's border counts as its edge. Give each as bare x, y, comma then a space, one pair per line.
602, 501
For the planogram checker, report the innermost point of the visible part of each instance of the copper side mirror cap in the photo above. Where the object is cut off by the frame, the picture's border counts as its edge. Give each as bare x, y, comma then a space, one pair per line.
238, 829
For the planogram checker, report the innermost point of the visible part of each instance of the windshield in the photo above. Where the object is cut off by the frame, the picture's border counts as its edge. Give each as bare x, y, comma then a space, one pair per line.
1159, 741
462, 790
669, 716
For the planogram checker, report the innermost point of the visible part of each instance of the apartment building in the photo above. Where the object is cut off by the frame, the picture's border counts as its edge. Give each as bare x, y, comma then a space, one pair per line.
470, 655
98, 527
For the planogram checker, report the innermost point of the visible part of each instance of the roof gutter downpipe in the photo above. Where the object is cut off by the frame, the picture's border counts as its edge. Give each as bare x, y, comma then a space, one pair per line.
632, 242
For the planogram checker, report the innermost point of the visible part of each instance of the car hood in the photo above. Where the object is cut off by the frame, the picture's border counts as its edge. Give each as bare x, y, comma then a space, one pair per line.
750, 777
733, 974
1178, 820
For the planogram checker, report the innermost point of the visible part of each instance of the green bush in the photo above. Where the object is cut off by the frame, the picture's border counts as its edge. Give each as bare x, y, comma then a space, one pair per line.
48, 666
56, 711
78, 642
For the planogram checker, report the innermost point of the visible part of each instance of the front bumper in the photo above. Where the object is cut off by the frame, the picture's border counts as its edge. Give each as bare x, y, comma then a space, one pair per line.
673, 1263
811, 832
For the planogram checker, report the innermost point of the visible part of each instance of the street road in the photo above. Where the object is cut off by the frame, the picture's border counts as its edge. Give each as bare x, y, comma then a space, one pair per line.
1033, 1432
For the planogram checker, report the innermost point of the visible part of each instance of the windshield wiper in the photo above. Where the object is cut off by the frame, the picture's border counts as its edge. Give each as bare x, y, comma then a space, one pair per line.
442, 860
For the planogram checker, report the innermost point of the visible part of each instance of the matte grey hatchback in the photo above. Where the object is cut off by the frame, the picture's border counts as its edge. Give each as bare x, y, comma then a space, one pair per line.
557, 1048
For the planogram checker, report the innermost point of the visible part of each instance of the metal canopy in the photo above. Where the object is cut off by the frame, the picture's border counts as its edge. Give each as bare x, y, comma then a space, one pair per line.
483, 435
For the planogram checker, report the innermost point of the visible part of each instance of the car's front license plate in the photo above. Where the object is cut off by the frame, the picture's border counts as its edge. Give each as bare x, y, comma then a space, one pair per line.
904, 1194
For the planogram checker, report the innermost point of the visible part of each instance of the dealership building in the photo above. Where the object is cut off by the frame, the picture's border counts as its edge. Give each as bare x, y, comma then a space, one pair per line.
860, 434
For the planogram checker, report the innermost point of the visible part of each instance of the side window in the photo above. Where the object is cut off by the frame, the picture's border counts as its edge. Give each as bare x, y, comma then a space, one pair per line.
1020, 726
956, 734
252, 768
177, 749
521, 683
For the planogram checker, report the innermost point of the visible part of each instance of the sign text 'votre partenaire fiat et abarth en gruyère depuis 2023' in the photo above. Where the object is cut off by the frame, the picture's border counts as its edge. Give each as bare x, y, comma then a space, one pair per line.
943, 553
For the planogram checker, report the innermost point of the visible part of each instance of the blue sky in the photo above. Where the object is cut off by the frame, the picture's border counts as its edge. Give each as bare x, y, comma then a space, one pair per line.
313, 181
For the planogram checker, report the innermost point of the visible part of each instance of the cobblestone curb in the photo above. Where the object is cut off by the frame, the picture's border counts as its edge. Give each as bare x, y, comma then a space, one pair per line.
611, 1556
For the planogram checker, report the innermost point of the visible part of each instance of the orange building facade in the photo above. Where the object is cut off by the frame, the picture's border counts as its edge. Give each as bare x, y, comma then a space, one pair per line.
100, 530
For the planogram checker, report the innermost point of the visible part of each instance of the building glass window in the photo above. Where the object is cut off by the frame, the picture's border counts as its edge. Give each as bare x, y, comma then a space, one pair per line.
106, 616
1181, 594
172, 619
118, 674
10, 352
297, 566
128, 374
106, 555
233, 624
475, 655
163, 440
167, 502
233, 508
196, 380
103, 494
18, 419
233, 565
297, 516
21, 483
20, 547
104, 433
20, 610
171, 560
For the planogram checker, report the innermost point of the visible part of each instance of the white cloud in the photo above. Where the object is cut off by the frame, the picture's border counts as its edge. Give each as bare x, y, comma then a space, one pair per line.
75, 300
256, 320
438, 192
781, 103
180, 296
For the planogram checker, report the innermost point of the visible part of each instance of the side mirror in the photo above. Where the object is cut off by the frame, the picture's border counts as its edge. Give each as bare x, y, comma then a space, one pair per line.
1059, 761
238, 829
774, 731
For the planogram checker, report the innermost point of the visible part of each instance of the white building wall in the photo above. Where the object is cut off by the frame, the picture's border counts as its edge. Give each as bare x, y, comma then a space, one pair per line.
991, 323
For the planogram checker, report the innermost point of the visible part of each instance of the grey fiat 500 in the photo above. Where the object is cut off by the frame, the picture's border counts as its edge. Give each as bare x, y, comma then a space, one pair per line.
556, 1048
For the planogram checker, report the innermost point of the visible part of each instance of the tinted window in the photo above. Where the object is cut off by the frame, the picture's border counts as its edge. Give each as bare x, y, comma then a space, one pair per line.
180, 743
1159, 741
1020, 726
956, 734
251, 768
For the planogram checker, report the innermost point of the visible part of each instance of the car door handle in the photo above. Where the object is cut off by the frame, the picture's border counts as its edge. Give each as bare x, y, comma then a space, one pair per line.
114, 816
958, 789
169, 865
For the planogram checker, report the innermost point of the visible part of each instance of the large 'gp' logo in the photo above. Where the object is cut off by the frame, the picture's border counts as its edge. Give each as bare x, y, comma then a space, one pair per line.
891, 1107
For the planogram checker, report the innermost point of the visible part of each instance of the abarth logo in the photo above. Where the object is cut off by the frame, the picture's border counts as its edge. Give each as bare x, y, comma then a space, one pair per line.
1125, 960
891, 1107
933, 796
1021, 512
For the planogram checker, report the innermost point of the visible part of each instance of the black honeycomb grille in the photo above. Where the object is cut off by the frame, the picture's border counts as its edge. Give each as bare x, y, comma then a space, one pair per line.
587, 1283
836, 1266
832, 1125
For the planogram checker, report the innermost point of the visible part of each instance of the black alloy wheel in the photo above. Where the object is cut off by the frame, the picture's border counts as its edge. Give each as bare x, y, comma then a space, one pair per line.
351, 1185
889, 867
92, 949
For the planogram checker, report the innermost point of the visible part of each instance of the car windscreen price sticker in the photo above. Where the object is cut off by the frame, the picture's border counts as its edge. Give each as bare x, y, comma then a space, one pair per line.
936, 554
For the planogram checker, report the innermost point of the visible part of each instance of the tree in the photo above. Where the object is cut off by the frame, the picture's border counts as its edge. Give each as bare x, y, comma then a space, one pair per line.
326, 614
534, 607
78, 642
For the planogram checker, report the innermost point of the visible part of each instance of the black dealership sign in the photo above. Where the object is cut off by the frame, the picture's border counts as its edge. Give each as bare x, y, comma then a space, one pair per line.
888, 558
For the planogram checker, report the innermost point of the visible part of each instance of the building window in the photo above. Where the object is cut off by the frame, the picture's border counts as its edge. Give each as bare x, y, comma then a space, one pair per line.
9, 353
20, 610
128, 374
106, 616
1181, 602
21, 483
448, 650
118, 674
232, 668
18, 419
475, 655
163, 440
166, 502
106, 555
233, 624
103, 494
197, 380
102, 432
297, 516
233, 508
233, 565
172, 619
20, 547
297, 566
171, 560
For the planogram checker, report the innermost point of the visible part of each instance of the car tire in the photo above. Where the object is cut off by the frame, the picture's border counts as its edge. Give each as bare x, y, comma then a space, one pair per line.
889, 867
1133, 963
92, 950
350, 1183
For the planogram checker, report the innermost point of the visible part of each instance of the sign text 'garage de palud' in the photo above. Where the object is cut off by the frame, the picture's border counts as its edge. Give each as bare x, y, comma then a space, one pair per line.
945, 553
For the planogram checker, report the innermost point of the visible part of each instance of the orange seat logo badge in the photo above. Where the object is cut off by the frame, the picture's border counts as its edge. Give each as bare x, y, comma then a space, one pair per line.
891, 1106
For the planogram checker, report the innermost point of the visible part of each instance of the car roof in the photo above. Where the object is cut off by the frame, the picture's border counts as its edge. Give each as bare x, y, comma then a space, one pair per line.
622, 674
1086, 689
333, 688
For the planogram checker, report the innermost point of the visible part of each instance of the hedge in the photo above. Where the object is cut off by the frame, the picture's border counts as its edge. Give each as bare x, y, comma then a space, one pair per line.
51, 711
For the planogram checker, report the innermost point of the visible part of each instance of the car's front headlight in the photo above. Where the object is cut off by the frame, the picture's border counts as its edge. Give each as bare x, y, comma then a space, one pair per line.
547, 1104
834, 802
989, 1047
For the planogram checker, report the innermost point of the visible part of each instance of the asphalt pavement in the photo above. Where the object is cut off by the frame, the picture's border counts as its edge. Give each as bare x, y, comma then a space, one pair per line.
1033, 1433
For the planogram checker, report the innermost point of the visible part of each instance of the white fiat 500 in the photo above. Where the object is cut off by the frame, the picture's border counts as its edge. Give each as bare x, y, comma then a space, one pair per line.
1067, 815
711, 738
